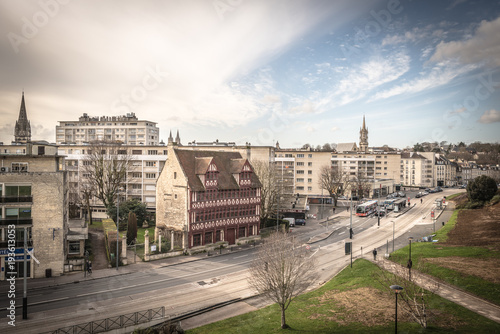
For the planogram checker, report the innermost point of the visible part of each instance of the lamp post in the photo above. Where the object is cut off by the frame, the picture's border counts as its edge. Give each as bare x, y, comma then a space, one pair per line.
350, 224
409, 265
393, 228
117, 255
397, 289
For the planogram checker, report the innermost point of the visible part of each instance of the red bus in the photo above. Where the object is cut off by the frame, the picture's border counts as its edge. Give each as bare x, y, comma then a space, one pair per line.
366, 208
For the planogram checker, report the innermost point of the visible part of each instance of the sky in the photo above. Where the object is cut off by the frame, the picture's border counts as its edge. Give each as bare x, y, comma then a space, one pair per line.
257, 71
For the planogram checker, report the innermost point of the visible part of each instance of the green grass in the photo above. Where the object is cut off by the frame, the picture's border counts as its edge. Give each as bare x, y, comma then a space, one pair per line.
473, 284
307, 314
140, 234
95, 225
453, 196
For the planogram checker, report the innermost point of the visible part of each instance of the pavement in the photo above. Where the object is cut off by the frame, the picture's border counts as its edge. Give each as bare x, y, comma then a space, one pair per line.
449, 292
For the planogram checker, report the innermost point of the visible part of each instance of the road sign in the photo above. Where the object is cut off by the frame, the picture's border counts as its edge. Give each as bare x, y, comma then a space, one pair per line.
348, 248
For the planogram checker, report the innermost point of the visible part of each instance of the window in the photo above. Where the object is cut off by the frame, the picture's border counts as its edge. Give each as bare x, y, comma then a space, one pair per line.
137, 175
300, 180
139, 152
309, 164
19, 166
309, 188
309, 155
196, 240
242, 232
150, 175
309, 180
150, 163
299, 188
150, 187
300, 172
208, 238
152, 152
136, 186
309, 172
301, 163
300, 155
17, 190
74, 247
175, 175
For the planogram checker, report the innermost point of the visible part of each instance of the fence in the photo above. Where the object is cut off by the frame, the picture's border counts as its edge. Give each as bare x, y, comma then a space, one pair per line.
108, 324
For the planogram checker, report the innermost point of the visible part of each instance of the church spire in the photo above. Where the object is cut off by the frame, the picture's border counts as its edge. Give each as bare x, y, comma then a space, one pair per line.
22, 131
178, 138
170, 138
363, 137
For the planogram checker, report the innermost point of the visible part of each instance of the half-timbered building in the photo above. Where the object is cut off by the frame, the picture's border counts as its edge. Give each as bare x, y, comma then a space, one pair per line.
207, 197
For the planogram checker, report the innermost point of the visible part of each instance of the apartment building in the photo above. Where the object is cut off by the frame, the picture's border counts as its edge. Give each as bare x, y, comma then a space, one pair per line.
33, 196
417, 169
146, 163
127, 129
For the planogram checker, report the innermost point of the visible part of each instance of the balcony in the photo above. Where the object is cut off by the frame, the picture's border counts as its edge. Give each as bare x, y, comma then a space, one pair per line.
16, 221
16, 199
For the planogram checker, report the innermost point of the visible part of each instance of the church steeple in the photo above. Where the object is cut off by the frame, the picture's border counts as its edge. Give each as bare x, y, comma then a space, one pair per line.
178, 138
22, 132
363, 137
170, 139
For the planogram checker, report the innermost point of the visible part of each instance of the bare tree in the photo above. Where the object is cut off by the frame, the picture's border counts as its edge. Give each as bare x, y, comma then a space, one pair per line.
105, 169
413, 297
269, 190
282, 270
333, 180
360, 185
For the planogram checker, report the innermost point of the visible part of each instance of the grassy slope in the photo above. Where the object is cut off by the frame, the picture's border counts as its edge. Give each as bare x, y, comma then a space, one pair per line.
305, 313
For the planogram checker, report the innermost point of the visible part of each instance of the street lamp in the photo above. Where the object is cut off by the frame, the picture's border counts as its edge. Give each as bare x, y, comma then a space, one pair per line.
393, 228
117, 225
409, 265
397, 289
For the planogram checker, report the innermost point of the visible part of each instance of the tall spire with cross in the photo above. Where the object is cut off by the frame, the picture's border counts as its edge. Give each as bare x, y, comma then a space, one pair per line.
22, 132
363, 137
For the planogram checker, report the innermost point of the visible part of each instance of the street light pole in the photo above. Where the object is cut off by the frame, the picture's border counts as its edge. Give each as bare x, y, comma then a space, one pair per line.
409, 265
393, 228
117, 226
397, 289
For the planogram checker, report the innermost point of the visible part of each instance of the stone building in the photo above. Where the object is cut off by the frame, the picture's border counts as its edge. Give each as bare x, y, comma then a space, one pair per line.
207, 197
33, 195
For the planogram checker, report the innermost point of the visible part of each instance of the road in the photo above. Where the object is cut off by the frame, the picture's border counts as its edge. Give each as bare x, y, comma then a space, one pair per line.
190, 286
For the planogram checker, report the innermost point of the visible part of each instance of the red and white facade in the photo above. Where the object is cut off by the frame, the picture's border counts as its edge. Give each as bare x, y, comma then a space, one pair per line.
208, 197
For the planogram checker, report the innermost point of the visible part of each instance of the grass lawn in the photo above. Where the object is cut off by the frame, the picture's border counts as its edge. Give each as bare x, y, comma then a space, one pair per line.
95, 225
453, 196
422, 251
352, 302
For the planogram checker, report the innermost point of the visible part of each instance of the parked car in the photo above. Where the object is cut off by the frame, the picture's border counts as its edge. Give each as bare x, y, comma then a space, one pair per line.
401, 194
342, 197
300, 221
291, 221
419, 194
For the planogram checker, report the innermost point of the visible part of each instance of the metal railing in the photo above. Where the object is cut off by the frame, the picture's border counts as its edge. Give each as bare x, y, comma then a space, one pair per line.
111, 323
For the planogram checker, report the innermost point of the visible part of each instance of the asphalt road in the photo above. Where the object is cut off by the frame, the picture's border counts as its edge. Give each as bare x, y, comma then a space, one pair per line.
134, 288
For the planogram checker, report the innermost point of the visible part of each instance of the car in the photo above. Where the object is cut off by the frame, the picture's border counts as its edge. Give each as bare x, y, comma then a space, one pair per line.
300, 221
425, 193
401, 194
291, 221
419, 194
342, 197
431, 191
354, 198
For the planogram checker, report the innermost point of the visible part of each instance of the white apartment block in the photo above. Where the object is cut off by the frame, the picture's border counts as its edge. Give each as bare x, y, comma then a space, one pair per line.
146, 165
126, 129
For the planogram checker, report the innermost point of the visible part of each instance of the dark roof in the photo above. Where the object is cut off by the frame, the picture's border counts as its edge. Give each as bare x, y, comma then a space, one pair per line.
411, 155
195, 163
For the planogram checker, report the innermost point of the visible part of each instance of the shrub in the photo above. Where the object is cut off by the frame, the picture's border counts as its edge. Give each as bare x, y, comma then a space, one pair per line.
482, 188
495, 200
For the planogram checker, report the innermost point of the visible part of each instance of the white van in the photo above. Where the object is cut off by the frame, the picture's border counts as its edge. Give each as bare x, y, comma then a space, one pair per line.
291, 221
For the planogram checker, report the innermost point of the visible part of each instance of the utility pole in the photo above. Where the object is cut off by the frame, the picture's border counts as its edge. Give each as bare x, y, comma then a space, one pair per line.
25, 281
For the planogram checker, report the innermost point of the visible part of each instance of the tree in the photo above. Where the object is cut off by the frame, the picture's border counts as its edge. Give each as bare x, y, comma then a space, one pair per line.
360, 185
413, 298
105, 168
482, 189
130, 205
132, 228
327, 147
333, 180
266, 173
418, 148
281, 270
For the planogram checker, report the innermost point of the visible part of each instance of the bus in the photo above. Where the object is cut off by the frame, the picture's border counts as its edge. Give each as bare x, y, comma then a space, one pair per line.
399, 204
389, 203
366, 208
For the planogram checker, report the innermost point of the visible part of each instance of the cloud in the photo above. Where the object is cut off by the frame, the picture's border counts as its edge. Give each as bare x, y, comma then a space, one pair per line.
306, 108
439, 75
483, 47
490, 116
369, 76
